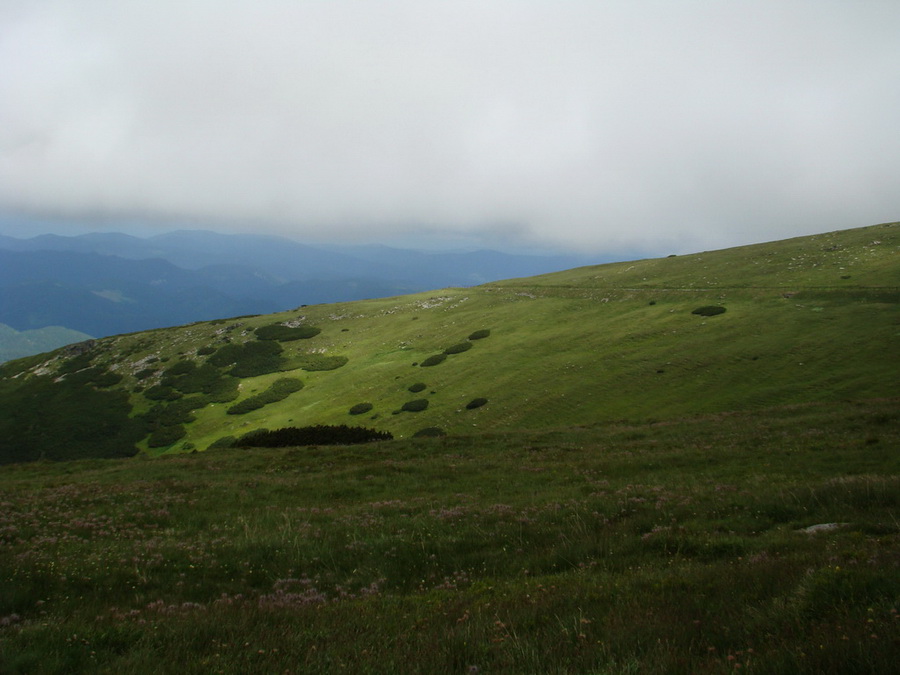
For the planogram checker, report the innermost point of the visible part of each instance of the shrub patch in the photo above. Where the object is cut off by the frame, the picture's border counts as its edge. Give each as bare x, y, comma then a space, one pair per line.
280, 390
249, 359
709, 310
417, 387
416, 405
433, 360
312, 435
360, 408
316, 362
284, 333
458, 348
476, 403
480, 334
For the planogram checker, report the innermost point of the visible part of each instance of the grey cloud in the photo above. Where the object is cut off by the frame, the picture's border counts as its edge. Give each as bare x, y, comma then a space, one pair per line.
578, 124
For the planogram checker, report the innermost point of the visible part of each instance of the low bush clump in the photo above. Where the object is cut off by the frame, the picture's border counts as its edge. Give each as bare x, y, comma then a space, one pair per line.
245, 406
312, 435
165, 436
360, 408
162, 392
417, 387
417, 405
284, 333
249, 359
205, 379
96, 377
459, 348
180, 368
476, 403
433, 360
709, 310
279, 391
480, 334
315, 362
76, 363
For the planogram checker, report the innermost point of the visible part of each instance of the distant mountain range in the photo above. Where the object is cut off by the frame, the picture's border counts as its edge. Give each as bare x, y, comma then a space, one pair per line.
104, 284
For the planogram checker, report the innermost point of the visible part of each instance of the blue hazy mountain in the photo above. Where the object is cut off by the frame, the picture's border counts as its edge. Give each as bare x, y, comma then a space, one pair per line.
109, 283
16, 344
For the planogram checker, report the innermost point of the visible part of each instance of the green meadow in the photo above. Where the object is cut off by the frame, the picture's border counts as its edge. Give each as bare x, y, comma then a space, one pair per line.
678, 465
765, 542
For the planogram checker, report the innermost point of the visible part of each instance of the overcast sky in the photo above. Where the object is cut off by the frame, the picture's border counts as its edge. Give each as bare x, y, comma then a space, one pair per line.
672, 126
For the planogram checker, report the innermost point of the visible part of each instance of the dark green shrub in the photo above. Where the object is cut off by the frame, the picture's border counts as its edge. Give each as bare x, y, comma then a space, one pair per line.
76, 363
206, 379
417, 387
144, 374
180, 368
224, 442
476, 403
360, 408
429, 432
318, 362
433, 360
480, 334
97, 377
313, 435
417, 405
223, 390
205, 351
459, 348
245, 406
709, 310
106, 379
172, 414
249, 359
165, 436
284, 333
71, 421
162, 392
282, 388
278, 391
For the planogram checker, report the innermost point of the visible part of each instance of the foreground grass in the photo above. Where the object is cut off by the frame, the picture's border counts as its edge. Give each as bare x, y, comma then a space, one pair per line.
673, 547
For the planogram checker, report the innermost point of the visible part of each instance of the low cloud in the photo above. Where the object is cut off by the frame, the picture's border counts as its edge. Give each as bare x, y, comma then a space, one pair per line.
581, 125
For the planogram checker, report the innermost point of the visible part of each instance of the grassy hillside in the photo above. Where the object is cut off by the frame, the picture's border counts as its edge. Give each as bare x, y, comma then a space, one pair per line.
764, 542
626, 486
808, 319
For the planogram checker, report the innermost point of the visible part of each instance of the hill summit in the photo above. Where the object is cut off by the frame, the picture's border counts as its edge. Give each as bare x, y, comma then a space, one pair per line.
801, 320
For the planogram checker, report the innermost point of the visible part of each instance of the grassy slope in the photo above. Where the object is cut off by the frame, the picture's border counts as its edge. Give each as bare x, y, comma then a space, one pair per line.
674, 547
808, 319
588, 345
523, 544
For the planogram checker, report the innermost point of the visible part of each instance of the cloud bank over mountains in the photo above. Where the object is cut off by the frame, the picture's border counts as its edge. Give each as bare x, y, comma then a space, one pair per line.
580, 125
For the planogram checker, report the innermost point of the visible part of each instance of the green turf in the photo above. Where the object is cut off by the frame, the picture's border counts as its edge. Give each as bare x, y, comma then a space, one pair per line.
764, 540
